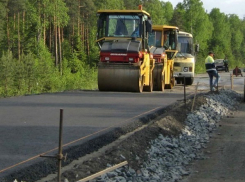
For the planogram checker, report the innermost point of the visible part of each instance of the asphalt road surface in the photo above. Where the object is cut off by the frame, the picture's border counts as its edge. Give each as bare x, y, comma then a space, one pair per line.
29, 125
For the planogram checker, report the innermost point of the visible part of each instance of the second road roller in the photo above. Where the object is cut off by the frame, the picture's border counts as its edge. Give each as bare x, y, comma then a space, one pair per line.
163, 45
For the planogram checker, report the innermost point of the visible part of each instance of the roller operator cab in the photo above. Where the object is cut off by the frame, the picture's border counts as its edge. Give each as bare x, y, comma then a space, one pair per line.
163, 42
184, 62
125, 61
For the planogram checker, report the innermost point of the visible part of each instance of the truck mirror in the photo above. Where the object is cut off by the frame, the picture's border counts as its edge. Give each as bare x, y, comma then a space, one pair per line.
197, 48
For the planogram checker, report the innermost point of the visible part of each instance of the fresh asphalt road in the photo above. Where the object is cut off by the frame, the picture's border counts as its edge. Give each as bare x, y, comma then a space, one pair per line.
29, 125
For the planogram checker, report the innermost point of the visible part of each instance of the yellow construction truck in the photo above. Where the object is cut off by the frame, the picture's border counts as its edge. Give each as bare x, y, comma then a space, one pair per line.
125, 61
184, 62
163, 42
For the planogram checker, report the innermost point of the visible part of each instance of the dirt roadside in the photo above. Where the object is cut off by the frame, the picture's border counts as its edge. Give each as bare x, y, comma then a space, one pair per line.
225, 153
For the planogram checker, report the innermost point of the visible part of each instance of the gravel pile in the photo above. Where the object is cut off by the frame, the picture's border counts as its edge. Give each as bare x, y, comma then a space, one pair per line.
169, 156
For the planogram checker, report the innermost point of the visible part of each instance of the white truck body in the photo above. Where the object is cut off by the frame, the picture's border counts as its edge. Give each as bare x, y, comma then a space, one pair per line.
184, 62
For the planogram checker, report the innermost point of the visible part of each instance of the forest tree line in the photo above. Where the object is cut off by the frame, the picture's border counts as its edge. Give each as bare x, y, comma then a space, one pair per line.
49, 45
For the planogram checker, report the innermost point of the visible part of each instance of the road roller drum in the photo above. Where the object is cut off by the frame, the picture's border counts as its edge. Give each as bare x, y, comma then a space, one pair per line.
119, 77
158, 77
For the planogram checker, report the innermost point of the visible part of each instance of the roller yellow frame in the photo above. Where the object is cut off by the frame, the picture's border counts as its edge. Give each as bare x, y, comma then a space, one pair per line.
125, 60
163, 42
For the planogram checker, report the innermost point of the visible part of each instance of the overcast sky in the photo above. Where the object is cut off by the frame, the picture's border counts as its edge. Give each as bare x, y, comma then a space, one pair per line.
226, 6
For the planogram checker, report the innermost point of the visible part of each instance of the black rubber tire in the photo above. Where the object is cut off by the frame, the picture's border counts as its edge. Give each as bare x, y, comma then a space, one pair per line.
178, 81
189, 81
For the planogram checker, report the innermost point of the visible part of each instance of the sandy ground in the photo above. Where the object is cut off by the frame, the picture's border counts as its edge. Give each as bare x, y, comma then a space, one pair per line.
225, 153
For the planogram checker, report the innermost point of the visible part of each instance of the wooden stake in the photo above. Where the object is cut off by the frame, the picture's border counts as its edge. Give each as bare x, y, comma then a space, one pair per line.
103, 172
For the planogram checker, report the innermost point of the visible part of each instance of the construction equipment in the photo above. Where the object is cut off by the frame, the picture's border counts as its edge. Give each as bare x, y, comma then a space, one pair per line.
184, 63
163, 42
125, 62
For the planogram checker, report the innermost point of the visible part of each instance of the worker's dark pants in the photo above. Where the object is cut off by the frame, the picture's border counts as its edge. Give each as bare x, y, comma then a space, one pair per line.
213, 73
226, 68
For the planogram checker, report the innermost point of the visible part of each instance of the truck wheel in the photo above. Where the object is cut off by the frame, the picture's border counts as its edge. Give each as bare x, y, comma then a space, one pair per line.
173, 81
189, 81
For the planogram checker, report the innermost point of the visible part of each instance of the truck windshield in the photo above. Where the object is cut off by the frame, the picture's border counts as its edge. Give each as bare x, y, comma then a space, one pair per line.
124, 26
185, 45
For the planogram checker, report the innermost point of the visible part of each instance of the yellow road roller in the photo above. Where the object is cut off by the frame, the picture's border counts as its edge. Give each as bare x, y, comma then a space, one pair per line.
163, 45
126, 63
